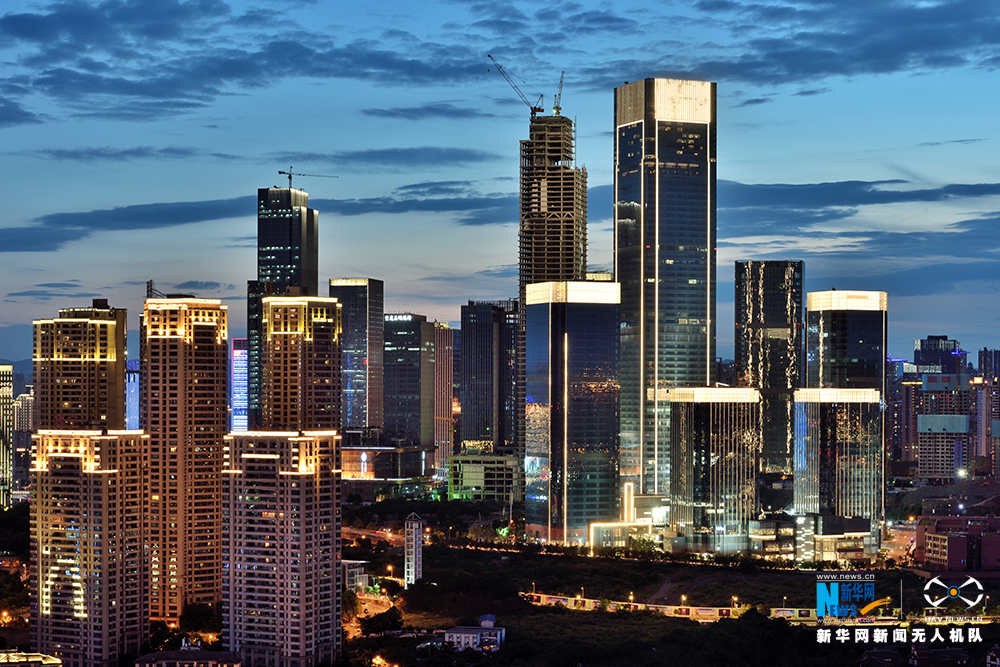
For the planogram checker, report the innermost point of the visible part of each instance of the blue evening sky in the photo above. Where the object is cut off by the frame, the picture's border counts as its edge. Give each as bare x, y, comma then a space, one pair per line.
856, 135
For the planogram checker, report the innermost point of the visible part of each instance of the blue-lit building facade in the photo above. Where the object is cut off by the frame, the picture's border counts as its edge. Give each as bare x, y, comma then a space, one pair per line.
133, 391
287, 263
665, 237
571, 415
769, 350
361, 349
715, 454
238, 358
839, 458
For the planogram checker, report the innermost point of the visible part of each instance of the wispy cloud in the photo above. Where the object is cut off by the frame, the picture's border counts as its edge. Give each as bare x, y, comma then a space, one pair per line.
395, 159
429, 110
110, 154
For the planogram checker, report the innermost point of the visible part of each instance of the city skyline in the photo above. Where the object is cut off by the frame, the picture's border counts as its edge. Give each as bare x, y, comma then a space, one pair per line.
832, 146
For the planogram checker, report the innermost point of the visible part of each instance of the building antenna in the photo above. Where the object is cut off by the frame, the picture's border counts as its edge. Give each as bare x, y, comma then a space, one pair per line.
291, 173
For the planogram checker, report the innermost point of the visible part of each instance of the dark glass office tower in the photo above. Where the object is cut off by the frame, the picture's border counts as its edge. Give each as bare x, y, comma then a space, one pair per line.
361, 344
287, 257
409, 379
846, 339
664, 259
769, 348
571, 422
939, 351
489, 377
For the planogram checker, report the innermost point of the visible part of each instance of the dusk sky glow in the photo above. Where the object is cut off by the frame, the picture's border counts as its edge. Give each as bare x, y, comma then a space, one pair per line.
856, 136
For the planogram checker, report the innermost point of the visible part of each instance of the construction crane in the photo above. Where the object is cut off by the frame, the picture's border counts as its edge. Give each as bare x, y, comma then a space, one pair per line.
291, 173
556, 108
536, 107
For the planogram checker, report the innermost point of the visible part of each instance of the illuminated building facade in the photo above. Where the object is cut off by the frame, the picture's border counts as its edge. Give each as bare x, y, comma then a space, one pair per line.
287, 257
489, 377
414, 550
409, 379
89, 573
281, 570
444, 352
846, 339
24, 426
939, 354
947, 412
839, 459
133, 394
769, 350
362, 345
665, 231
6, 434
238, 364
571, 422
301, 363
184, 353
79, 361
715, 455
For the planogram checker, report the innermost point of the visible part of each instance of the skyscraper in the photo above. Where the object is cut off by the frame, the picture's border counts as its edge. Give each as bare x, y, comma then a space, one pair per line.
300, 358
553, 232
665, 230
489, 393
571, 422
6, 433
79, 360
444, 355
184, 352
287, 256
846, 339
715, 454
409, 379
89, 582
281, 577
362, 342
769, 349
839, 459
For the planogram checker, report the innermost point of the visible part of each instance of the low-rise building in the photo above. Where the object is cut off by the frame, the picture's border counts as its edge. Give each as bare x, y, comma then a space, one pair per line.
483, 637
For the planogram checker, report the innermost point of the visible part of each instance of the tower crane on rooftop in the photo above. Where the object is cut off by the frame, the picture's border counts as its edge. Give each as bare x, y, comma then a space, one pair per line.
557, 106
536, 107
291, 173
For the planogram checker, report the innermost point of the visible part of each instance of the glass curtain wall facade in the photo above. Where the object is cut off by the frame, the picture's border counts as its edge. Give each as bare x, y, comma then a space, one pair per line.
362, 346
287, 257
238, 385
665, 231
839, 460
715, 456
409, 379
571, 442
846, 339
769, 349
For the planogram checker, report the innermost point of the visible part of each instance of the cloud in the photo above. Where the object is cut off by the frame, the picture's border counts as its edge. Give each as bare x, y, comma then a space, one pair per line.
951, 141
150, 216
12, 113
430, 110
753, 101
45, 295
395, 159
109, 154
203, 286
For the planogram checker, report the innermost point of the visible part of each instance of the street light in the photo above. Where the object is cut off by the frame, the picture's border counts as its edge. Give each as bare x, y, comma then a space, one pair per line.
582, 594
784, 602
733, 600
684, 600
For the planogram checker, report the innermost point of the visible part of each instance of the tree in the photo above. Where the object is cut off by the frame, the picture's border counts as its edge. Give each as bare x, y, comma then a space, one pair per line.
350, 606
387, 621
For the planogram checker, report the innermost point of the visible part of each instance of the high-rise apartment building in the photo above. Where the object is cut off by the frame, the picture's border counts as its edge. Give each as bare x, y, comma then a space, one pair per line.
665, 231
184, 352
287, 256
281, 575
24, 426
362, 345
715, 455
989, 363
769, 349
409, 379
89, 570
571, 417
846, 339
238, 365
133, 394
6, 434
839, 458
300, 357
79, 360
489, 386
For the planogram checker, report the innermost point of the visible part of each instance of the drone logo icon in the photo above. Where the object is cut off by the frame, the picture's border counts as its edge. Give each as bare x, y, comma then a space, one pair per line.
953, 592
